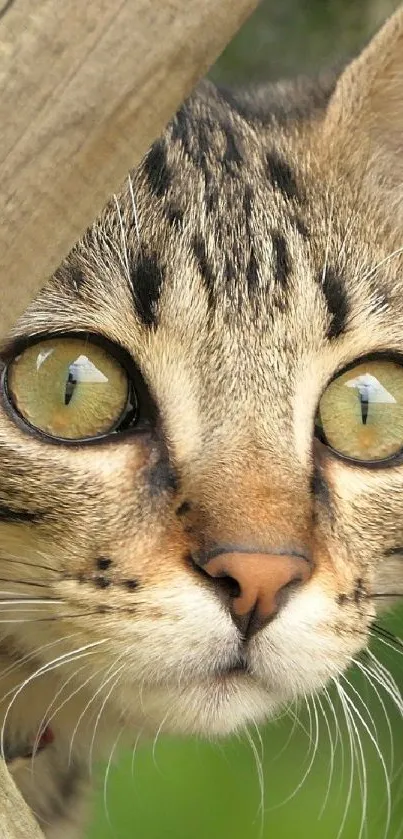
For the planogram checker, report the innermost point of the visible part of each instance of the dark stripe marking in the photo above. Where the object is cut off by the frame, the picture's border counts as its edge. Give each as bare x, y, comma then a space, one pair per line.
301, 227
103, 563
102, 582
229, 271
282, 261
211, 197
175, 216
157, 169
232, 155
7, 514
398, 549
247, 201
131, 585
71, 275
147, 277
281, 176
162, 478
336, 301
199, 249
252, 274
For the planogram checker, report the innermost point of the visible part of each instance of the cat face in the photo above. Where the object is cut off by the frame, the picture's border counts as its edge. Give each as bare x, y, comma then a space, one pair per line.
246, 267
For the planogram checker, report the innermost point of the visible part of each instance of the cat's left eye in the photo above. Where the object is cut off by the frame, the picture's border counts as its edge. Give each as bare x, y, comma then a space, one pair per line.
360, 413
68, 388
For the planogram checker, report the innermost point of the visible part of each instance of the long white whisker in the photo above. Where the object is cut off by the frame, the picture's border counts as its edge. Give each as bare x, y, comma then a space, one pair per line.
32, 656
135, 214
158, 732
381, 759
101, 710
47, 719
260, 778
123, 239
372, 677
65, 658
313, 747
88, 705
360, 761
107, 771
328, 237
383, 261
346, 712
332, 753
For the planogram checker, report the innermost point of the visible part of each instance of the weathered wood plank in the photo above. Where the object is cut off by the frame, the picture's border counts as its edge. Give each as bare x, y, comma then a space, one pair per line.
16, 820
84, 89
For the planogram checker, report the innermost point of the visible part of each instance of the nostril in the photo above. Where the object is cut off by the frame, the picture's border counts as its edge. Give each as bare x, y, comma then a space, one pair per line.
223, 583
228, 585
285, 592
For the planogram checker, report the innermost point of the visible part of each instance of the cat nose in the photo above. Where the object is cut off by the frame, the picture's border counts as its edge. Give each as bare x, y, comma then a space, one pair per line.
259, 584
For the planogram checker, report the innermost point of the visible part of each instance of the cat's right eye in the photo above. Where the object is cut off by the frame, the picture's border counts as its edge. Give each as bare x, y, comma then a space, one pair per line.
360, 413
68, 388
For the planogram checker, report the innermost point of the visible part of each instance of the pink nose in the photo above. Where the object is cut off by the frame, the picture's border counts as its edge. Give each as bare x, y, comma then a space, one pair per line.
263, 582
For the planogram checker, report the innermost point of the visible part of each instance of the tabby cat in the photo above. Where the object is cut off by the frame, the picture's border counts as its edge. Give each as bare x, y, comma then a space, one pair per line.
201, 431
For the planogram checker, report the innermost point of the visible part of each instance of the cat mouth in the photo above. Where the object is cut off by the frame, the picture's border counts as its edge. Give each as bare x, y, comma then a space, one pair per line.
238, 669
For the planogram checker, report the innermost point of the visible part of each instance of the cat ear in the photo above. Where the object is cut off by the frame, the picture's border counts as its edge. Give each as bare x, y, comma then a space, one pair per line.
363, 126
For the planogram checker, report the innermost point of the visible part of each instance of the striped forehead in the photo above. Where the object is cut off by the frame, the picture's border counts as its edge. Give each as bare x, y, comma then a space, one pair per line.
225, 220
223, 211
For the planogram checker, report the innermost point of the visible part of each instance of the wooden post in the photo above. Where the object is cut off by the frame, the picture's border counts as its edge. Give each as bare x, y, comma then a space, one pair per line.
85, 87
16, 820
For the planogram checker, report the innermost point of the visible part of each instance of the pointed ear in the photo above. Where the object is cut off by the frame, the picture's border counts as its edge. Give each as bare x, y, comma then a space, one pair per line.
364, 121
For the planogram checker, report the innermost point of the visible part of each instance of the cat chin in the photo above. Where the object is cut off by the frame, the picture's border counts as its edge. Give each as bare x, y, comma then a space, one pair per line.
216, 707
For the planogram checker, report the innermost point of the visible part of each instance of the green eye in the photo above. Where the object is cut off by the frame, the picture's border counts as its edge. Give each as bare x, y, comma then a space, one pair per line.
68, 388
361, 412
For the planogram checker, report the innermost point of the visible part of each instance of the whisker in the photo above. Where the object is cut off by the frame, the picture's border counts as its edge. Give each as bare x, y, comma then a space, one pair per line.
89, 703
47, 718
390, 644
313, 747
328, 237
260, 777
136, 742
23, 582
383, 261
347, 716
387, 681
370, 675
155, 740
135, 214
125, 261
380, 756
107, 771
102, 708
332, 754
32, 656
19, 561
64, 658
42, 601
360, 762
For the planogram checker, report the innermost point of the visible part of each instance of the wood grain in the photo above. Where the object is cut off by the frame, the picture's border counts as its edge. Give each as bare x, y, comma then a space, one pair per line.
84, 89
16, 820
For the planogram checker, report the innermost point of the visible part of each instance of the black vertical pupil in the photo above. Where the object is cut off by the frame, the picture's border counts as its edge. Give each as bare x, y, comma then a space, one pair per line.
69, 388
364, 402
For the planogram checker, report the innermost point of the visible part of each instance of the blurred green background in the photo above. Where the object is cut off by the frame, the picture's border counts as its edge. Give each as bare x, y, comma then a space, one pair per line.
197, 790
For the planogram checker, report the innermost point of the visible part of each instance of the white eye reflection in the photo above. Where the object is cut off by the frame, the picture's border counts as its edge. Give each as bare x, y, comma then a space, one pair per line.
84, 370
370, 389
42, 356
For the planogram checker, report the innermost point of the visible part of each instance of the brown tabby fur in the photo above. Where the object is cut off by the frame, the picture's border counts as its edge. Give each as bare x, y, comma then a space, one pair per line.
254, 253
